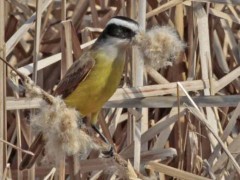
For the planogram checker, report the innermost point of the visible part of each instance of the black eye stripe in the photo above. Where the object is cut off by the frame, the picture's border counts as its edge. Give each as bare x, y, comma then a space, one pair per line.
119, 31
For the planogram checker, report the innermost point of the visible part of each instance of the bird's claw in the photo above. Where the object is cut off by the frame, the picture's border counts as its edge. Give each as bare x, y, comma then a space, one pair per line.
108, 153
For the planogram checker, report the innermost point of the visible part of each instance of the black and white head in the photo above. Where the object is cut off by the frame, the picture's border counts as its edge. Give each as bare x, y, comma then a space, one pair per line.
119, 31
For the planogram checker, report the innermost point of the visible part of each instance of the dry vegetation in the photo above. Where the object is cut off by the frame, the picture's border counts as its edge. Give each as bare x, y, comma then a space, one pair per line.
164, 129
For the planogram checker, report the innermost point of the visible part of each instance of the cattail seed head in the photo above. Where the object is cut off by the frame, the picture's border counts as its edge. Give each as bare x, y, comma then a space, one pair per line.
160, 46
60, 126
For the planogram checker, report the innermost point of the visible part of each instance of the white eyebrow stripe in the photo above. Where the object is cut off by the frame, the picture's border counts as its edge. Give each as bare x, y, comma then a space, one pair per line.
124, 23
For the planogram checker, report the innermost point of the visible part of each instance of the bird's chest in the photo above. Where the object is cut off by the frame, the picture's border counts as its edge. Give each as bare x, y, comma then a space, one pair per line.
98, 87
103, 80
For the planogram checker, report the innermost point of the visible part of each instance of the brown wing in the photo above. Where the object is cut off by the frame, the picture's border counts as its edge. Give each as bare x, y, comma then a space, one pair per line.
75, 75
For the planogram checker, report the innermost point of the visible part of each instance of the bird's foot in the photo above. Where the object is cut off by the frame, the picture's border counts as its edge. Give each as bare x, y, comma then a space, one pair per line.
108, 153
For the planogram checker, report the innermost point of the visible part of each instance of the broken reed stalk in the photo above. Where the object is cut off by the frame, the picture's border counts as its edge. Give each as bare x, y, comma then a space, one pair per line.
196, 111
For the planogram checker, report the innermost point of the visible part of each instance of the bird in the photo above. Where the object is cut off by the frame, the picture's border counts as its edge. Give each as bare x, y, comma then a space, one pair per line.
93, 78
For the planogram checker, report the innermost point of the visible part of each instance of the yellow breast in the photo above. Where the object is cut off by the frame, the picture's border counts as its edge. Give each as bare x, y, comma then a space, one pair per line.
91, 94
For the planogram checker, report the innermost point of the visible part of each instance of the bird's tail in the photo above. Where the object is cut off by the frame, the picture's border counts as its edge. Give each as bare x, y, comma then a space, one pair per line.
36, 147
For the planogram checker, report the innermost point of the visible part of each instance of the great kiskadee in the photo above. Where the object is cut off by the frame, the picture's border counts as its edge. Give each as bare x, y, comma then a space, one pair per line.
94, 77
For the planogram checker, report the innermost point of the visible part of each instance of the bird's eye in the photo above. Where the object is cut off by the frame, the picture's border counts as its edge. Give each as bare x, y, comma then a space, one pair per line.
118, 32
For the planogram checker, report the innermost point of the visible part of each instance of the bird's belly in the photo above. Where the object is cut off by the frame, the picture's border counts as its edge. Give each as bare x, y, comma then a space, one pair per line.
96, 89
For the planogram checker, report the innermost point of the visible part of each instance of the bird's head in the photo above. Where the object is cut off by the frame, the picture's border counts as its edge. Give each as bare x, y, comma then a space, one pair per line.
119, 31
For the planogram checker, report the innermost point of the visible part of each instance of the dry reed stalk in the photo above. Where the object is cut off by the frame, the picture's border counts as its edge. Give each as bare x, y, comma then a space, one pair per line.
12, 140
179, 17
232, 2
3, 119
66, 62
180, 134
167, 102
205, 57
191, 57
138, 73
70, 40
131, 123
63, 10
157, 90
115, 121
228, 78
16, 147
151, 102
7, 172
105, 129
36, 57
219, 53
94, 13
142, 24
79, 12
158, 78
47, 18
61, 168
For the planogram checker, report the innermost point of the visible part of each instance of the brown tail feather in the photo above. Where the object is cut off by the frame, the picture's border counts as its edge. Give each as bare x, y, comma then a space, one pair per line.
36, 147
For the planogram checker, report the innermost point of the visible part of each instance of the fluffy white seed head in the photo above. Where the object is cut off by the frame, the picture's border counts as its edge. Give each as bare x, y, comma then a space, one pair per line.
60, 126
160, 46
